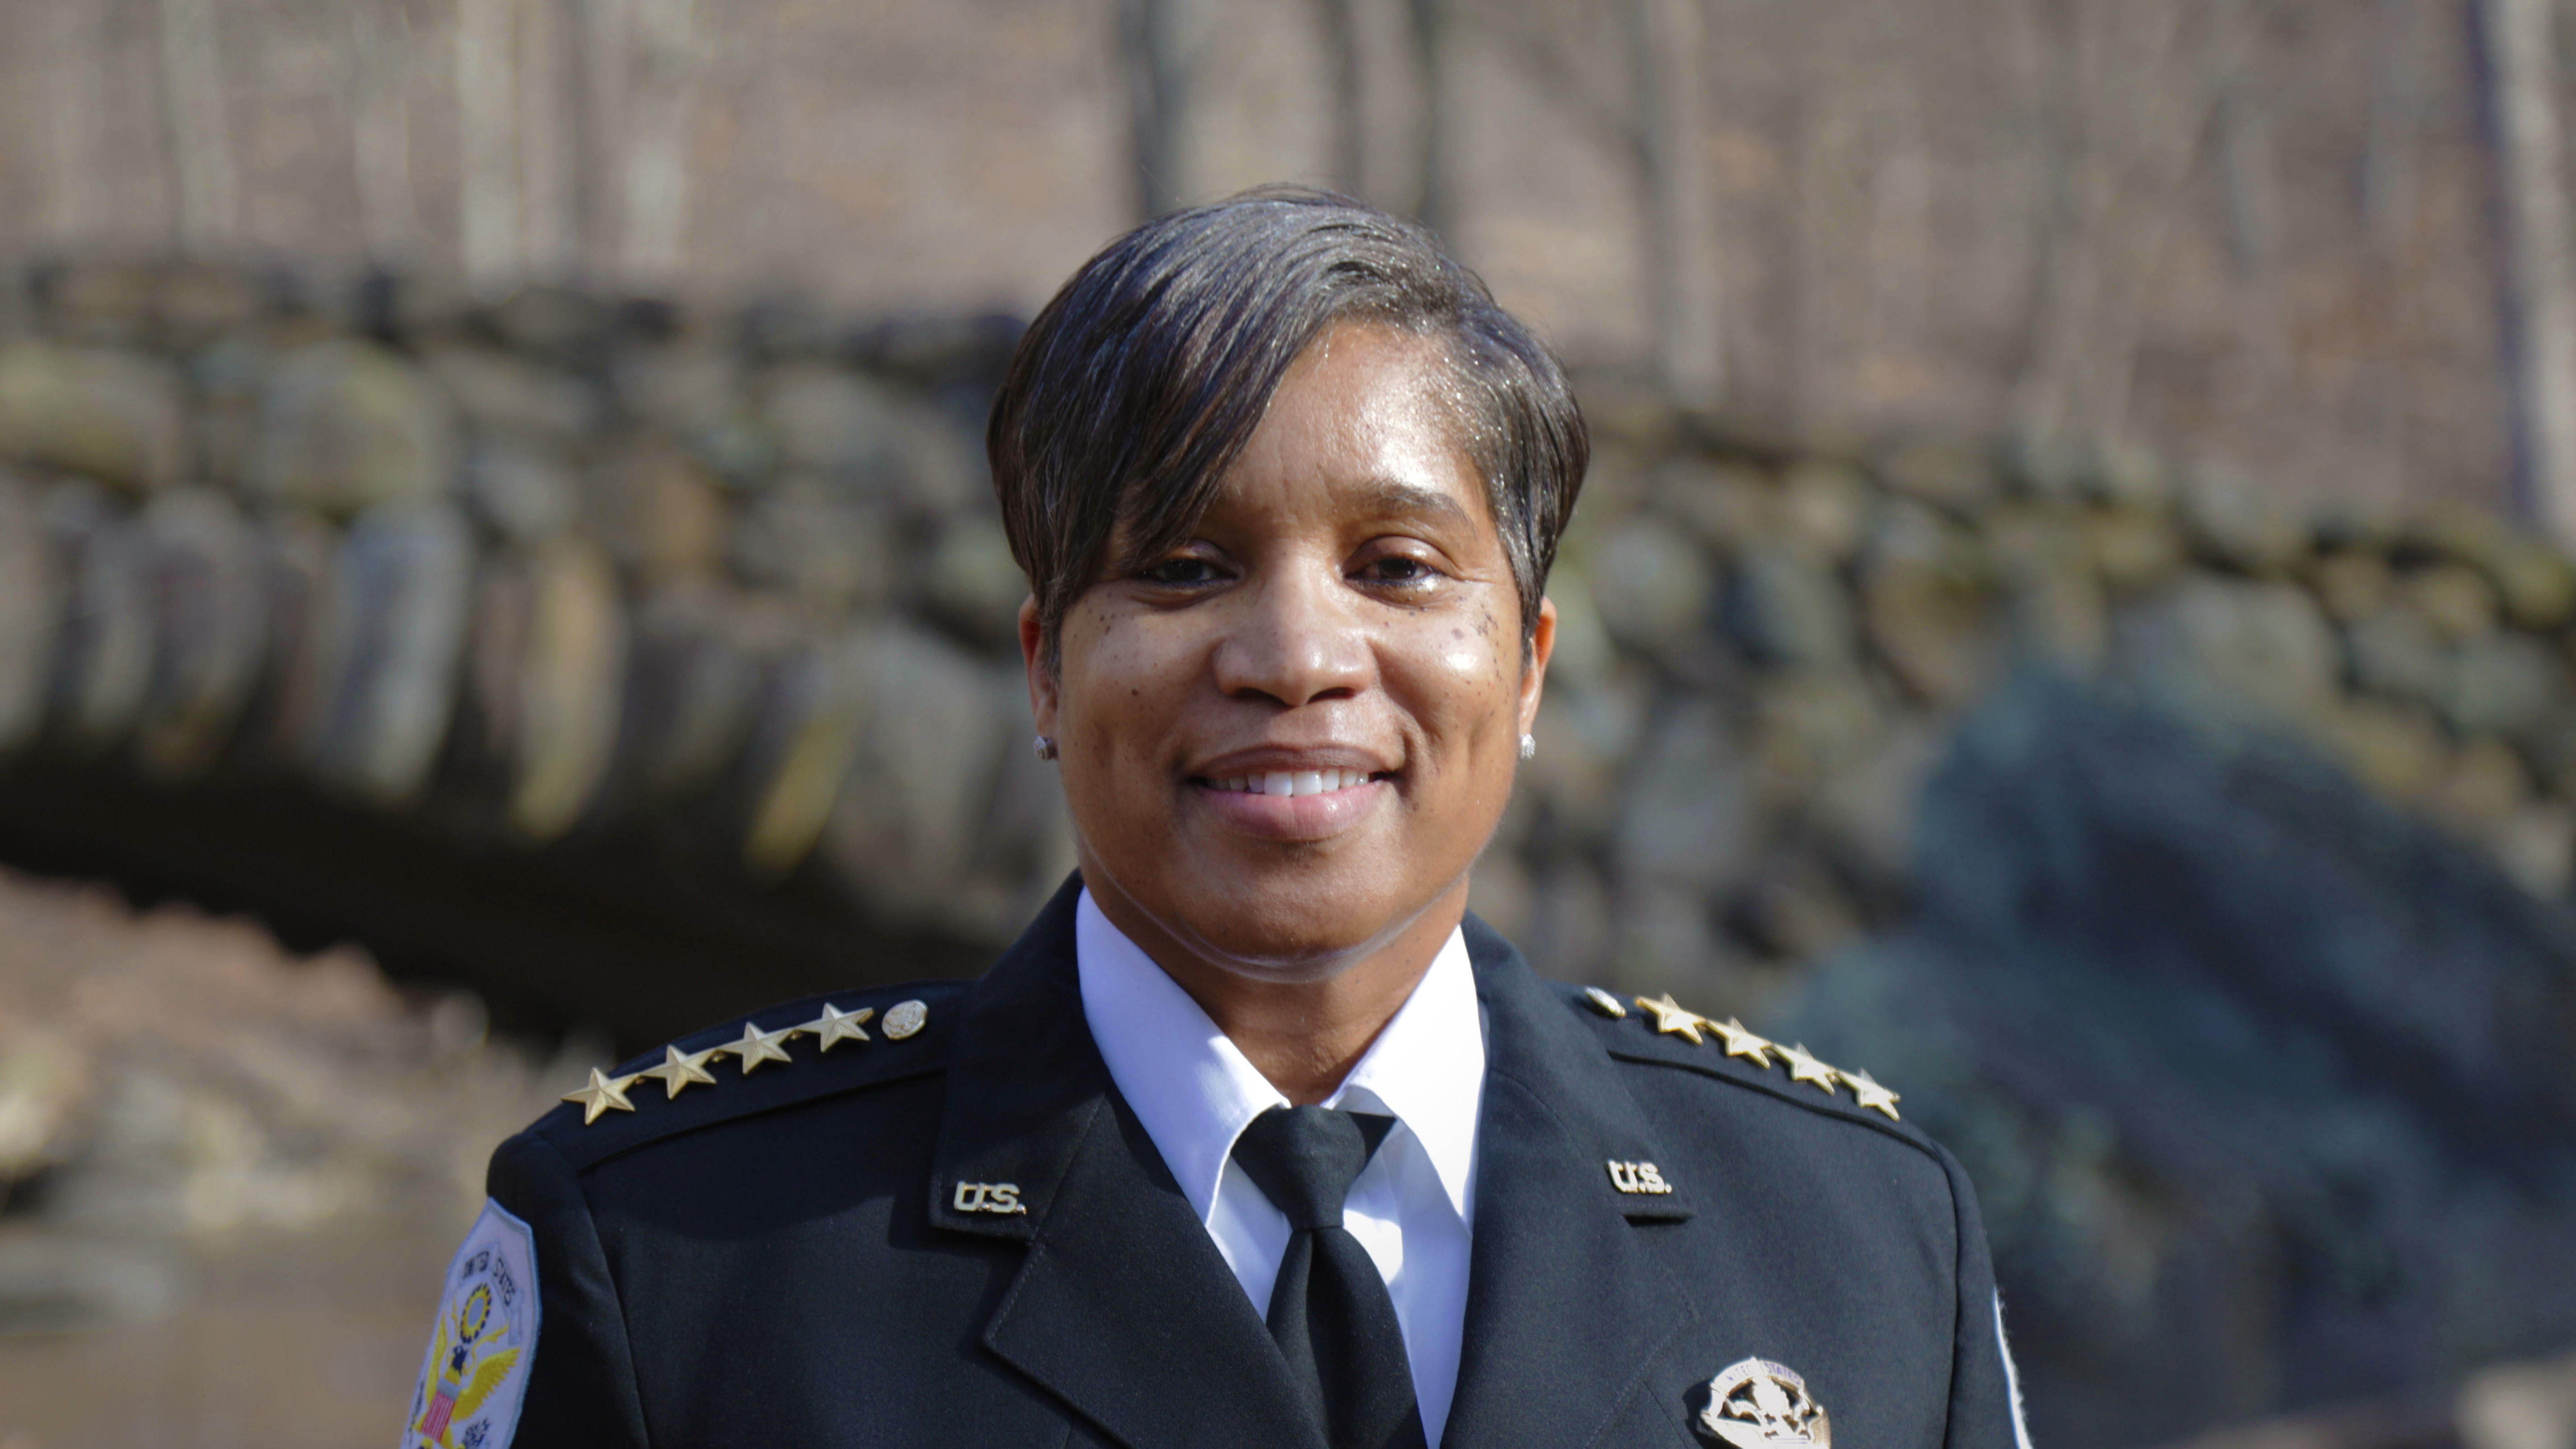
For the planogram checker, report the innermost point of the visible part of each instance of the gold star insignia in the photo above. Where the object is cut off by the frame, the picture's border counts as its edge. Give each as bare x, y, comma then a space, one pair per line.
1742, 1043
1674, 1019
603, 1094
679, 1070
756, 1046
836, 1025
1803, 1067
1871, 1094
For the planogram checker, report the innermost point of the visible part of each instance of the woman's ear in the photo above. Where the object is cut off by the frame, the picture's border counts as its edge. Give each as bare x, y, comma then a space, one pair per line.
1042, 680
1542, 644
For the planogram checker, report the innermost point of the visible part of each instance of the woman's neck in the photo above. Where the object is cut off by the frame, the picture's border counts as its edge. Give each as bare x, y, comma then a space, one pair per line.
1303, 1028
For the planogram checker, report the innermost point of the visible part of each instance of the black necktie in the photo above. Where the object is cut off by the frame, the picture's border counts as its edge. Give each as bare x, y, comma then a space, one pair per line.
1329, 1309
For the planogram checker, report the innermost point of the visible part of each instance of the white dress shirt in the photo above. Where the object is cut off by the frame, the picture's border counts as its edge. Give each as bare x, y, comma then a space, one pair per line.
1413, 1208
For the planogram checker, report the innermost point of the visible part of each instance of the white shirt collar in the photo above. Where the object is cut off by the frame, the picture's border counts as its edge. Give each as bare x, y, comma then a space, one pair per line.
1194, 1090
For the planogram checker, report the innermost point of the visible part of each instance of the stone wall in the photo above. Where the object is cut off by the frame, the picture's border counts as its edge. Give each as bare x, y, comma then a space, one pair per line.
556, 566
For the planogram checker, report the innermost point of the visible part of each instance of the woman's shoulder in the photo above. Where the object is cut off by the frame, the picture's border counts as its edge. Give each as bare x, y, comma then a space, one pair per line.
772, 1059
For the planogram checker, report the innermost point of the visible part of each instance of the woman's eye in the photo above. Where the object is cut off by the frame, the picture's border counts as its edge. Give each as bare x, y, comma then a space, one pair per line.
1180, 571
1397, 569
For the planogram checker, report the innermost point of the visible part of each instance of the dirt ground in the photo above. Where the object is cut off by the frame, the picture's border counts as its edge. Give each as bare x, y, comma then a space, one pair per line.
294, 1341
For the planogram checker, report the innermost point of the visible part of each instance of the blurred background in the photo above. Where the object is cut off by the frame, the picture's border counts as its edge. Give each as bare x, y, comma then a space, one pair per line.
2073, 613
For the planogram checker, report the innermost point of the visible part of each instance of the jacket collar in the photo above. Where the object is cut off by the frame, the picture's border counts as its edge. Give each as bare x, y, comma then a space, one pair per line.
1567, 1307
1124, 1309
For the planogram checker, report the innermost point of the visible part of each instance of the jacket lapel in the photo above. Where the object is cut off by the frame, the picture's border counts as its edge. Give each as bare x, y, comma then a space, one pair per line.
1567, 1311
1123, 1307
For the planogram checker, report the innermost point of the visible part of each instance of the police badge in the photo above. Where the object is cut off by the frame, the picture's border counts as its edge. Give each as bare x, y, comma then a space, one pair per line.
1758, 1402
477, 1369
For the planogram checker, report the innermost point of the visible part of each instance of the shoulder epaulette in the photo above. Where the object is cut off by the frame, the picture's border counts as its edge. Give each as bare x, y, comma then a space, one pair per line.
1663, 1026
773, 1058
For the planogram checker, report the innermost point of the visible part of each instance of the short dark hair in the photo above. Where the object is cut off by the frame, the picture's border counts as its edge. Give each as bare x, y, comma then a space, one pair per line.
1142, 381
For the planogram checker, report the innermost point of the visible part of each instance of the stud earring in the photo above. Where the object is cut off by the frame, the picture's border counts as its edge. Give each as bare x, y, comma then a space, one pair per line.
1529, 746
1046, 747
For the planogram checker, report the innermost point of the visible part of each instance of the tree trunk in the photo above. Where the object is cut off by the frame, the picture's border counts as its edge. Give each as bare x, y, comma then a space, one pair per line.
380, 130
63, 107
1346, 74
2518, 79
487, 140
1430, 179
1154, 42
192, 102
662, 94
1681, 241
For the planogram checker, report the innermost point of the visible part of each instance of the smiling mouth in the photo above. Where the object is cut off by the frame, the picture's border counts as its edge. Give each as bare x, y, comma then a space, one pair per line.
1292, 782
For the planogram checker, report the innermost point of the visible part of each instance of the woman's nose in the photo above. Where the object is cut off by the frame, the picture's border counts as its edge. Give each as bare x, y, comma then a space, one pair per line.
1294, 639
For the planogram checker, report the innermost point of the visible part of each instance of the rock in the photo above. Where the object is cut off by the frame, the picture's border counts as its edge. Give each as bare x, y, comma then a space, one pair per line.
834, 553
116, 417
1809, 725
657, 510
1725, 507
2485, 787
103, 658
401, 608
1584, 654
98, 302
2505, 684
2236, 523
2056, 604
228, 379
502, 395
815, 699
1585, 735
210, 629
2396, 652
2520, 1406
2133, 550
31, 612
1866, 809
2396, 749
838, 425
905, 828
974, 585
1795, 911
2128, 474
560, 323
197, 302
2352, 585
1688, 814
1826, 510
695, 689
2536, 583
2264, 1084
2455, 599
1788, 611
1948, 473
1570, 928
299, 569
1649, 584
2537, 846
349, 426
685, 390
523, 492
2263, 642
1923, 592
571, 683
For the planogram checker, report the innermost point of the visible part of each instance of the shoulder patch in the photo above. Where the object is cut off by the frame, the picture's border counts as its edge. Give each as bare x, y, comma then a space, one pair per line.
483, 1343
773, 1058
1666, 1024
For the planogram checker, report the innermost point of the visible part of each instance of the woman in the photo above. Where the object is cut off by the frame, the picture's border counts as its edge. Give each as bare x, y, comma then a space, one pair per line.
1255, 1137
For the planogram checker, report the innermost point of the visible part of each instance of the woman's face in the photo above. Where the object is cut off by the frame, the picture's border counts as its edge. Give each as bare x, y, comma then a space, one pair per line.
1285, 742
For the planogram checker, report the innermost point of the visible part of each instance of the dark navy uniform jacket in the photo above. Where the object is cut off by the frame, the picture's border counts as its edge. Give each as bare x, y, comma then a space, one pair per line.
818, 1253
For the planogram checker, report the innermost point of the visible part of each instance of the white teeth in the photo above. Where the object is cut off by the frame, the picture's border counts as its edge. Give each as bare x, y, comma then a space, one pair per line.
1295, 782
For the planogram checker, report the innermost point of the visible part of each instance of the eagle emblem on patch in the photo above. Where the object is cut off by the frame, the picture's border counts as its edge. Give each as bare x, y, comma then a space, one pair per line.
1758, 1402
480, 1348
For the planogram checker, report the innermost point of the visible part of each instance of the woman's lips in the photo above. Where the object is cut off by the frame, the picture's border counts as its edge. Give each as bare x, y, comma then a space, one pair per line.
1295, 805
